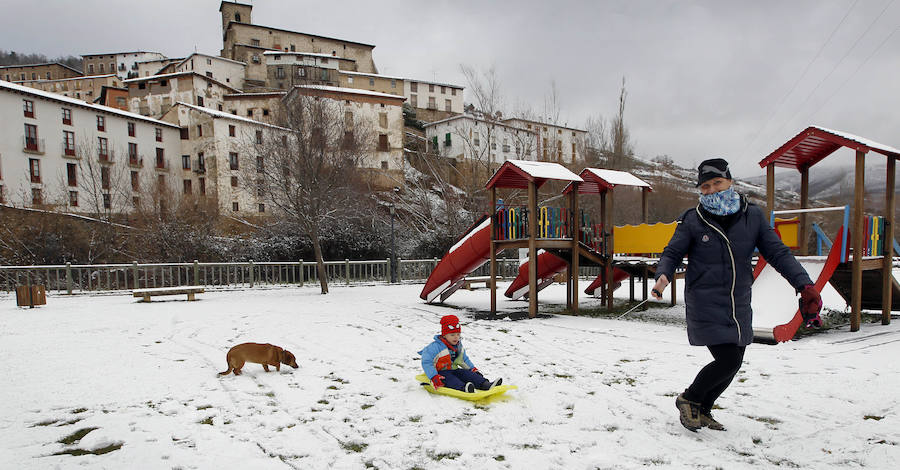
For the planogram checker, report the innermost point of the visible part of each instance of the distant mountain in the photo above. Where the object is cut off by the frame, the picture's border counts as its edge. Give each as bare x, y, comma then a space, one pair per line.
828, 182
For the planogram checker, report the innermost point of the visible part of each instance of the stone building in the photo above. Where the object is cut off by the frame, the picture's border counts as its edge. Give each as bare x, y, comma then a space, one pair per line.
154, 95
83, 88
46, 71
247, 42
433, 101
157, 66
256, 106
284, 70
123, 64
559, 144
384, 112
68, 154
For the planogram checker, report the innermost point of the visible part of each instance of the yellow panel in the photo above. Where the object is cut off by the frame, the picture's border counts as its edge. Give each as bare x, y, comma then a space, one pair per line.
642, 238
789, 230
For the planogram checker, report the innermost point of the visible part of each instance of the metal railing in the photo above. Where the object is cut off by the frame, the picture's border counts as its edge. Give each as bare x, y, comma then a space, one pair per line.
85, 278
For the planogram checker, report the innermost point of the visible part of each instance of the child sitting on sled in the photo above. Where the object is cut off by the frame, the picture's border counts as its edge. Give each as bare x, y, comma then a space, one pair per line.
445, 361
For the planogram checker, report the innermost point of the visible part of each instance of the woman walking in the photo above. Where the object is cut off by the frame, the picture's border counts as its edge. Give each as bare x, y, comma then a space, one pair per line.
719, 237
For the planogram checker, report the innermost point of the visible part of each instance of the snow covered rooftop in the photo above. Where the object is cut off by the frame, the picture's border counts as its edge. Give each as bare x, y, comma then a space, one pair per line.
815, 143
352, 91
517, 174
176, 75
76, 102
224, 115
597, 180
458, 87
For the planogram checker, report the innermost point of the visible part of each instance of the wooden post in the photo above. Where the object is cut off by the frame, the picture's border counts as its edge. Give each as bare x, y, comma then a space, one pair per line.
492, 211
644, 276
69, 278
610, 284
302, 274
196, 272
645, 210
887, 259
859, 191
770, 189
532, 249
804, 204
604, 241
250, 269
576, 231
672, 287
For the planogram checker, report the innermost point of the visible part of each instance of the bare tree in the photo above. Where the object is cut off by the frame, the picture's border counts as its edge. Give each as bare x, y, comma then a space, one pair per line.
620, 140
308, 169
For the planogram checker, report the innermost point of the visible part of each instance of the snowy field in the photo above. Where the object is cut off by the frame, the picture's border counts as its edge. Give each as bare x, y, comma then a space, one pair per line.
593, 392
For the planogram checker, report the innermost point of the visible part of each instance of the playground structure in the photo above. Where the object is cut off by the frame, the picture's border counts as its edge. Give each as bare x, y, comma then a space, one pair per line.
804, 150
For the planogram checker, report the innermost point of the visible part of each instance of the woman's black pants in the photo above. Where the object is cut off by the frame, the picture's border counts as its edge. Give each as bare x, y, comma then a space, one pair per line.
713, 379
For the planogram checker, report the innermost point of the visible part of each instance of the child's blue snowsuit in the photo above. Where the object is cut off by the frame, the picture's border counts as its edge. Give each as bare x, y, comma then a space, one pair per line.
452, 364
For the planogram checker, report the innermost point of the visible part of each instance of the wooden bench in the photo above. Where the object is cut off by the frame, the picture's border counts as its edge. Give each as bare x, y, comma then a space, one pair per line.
156, 291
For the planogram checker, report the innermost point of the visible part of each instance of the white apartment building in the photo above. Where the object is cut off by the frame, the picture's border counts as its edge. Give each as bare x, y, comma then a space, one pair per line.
465, 137
154, 95
559, 144
64, 152
156, 66
123, 64
216, 150
434, 96
230, 72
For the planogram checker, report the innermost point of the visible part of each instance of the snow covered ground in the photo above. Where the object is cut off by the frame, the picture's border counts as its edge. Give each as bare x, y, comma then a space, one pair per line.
593, 392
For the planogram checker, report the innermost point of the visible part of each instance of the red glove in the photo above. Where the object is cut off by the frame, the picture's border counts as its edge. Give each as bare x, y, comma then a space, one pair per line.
810, 306
437, 381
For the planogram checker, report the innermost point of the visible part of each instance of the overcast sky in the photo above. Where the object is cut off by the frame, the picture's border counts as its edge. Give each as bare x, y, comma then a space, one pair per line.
706, 78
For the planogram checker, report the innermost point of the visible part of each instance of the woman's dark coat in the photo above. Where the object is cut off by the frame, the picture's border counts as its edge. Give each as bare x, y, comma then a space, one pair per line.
719, 272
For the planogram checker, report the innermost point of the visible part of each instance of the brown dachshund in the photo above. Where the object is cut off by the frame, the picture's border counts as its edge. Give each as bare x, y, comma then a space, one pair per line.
265, 354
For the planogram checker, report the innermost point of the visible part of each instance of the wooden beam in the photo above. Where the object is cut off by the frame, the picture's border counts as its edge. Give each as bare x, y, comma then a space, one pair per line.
532, 249
493, 284
888, 242
576, 232
859, 192
645, 214
603, 239
770, 189
804, 204
610, 285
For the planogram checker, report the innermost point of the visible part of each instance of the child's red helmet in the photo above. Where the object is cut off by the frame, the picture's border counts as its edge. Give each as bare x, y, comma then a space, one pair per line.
449, 324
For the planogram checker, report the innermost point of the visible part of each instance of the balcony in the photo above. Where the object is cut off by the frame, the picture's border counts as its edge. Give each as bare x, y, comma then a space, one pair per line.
199, 166
32, 145
105, 156
161, 164
67, 151
135, 161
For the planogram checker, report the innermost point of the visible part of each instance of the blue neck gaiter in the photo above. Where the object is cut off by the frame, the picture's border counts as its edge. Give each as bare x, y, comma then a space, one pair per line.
725, 202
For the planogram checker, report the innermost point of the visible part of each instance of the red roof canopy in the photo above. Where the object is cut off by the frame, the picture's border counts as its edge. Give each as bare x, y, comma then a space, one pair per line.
815, 143
597, 181
518, 173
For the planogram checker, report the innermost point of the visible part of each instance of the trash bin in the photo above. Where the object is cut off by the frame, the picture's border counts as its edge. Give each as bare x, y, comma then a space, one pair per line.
30, 295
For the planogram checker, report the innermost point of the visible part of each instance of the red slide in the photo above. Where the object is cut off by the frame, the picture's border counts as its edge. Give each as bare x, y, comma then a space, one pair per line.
547, 267
781, 323
618, 277
469, 253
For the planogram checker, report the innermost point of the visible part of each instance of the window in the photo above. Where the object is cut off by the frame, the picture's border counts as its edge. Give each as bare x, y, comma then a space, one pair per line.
414, 101
477, 139
142, 86
90, 68
31, 140
447, 105
260, 162
393, 83
33, 76
158, 134
104, 177
234, 206
160, 158
431, 88
382, 119
185, 133
443, 90
101, 123
234, 181
69, 143
262, 207
106, 201
112, 67
233, 160
130, 129
163, 83
453, 91
186, 186
279, 72
371, 82
133, 153
201, 162
101, 68
383, 142
103, 148
199, 130
73, 198
28, 106
414, 87
259, 138
199, 101
254, 42
505, 144
432, 104
265, 112
185, 162
72, 174
231, 131
36, 197
250, 112
201, 182
135, 181
384, 165
209, 74
447, 141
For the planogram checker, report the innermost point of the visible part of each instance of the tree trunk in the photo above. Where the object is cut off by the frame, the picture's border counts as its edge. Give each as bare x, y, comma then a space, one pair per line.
320, 263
